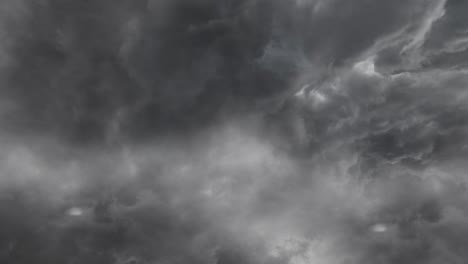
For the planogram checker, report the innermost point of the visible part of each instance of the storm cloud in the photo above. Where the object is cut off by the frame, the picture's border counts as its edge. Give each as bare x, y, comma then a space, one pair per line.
248, 131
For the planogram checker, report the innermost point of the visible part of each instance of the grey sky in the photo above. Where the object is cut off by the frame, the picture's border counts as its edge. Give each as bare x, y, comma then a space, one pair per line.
247, 132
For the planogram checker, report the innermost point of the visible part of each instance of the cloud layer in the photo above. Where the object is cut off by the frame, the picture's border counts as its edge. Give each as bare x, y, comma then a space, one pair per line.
252, 131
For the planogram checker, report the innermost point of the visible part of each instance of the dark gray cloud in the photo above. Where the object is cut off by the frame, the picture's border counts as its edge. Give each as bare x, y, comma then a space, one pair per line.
252, 131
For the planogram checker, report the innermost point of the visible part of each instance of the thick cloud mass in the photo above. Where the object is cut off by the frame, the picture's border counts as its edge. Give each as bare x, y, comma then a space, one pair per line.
233, 131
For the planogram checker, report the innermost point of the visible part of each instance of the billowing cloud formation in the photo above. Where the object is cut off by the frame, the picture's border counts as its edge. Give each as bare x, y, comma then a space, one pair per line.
252, 131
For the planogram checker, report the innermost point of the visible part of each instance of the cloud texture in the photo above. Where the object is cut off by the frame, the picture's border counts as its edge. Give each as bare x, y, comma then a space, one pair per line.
247, 132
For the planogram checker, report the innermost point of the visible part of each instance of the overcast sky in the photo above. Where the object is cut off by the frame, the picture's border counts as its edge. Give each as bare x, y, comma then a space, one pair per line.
233, 132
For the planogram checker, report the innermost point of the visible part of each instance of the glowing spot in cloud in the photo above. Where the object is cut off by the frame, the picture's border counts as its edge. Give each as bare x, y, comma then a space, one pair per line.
379, 228
318, 97
75, 211
315, 97
302, 92
366, 67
